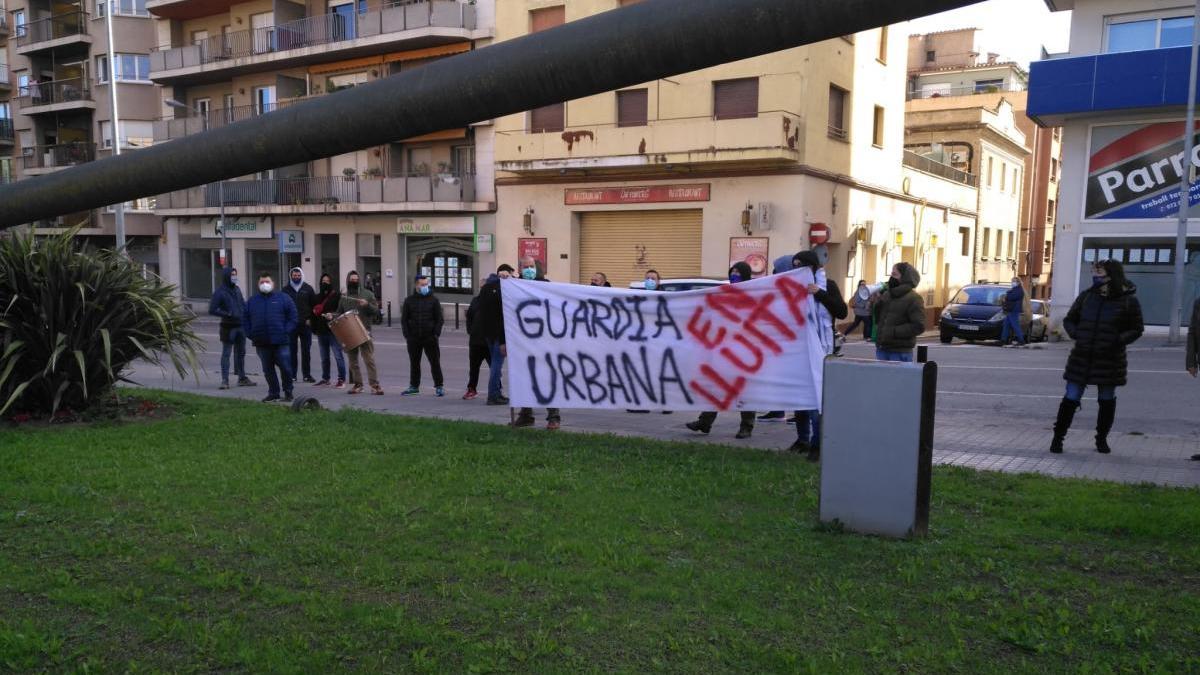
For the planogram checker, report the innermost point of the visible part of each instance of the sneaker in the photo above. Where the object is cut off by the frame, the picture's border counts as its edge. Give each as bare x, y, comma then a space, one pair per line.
411, 391
471, 393
246, 382
270, 397
698, 426
309, 379
287, 398
377, 390
439, 391
799, 447
340, 384
224, 385
773, 415
356, 389
322, 383
553, 425
523, 422
499, 400
637, 411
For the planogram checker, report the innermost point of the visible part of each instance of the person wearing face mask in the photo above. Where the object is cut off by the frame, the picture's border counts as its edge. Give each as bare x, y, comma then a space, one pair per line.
478, 350
302, 294
653, 280
490, 325
601, 279
421, 320
329, 296
532, 271
227, 302
1102, 321
270, 319
1193, 342
899, 315
737, 274
358, 298
861, 303
1014, 300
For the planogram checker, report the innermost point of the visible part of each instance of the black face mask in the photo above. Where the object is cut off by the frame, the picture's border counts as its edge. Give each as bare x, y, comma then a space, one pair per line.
352, 287
893, 282
326, 287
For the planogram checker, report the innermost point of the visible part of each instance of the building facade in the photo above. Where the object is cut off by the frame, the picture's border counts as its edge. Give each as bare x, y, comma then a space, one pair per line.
750, 161
1120, 95
417, 205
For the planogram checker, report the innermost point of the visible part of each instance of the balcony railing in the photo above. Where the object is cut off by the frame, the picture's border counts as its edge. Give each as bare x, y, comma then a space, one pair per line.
5, 80
52, 28
54, 91
930, 166
188, 121
969, 90
54, 156
6, 130
316, 30
3, 22
322, 191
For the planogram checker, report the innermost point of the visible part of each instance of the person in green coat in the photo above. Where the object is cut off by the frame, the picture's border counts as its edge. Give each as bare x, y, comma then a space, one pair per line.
359, 298
899, 315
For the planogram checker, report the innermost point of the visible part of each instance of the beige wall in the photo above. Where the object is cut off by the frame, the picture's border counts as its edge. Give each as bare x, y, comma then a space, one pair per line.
953, 49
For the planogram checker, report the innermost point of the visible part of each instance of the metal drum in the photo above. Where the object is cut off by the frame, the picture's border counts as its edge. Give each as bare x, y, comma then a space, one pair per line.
349, 330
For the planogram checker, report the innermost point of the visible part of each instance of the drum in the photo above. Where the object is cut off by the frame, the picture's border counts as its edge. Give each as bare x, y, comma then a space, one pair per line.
349, 330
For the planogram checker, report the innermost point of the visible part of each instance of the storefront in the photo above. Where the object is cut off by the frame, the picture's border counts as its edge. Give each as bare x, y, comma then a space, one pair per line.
199, 244
442, 248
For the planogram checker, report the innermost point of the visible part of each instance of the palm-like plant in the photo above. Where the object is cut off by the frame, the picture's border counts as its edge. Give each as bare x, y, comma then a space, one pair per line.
72, 319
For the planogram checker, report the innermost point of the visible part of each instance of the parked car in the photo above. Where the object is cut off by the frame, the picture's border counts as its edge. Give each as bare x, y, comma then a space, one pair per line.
1039, 328
673, 285
977, 313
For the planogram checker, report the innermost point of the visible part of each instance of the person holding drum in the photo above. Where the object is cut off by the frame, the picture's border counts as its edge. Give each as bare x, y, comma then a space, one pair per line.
362, 301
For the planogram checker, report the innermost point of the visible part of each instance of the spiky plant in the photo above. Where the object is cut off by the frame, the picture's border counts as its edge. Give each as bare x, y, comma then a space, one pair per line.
72, 319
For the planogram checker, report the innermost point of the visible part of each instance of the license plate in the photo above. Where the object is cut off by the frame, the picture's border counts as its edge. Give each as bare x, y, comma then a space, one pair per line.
968, 327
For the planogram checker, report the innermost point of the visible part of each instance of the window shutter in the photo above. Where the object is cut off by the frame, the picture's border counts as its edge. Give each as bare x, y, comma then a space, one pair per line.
548, 118
541, 19
735, 98
632, 108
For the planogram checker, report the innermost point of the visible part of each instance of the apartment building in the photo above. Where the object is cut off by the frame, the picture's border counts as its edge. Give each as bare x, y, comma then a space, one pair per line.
1120, 96
59, 112
416, 205
7, 132
746, 161
967, 108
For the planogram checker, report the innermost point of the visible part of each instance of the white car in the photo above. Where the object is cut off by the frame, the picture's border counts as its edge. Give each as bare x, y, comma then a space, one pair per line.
672, 285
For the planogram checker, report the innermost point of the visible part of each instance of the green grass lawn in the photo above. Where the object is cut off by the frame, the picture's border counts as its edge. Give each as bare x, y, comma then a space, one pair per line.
243, 537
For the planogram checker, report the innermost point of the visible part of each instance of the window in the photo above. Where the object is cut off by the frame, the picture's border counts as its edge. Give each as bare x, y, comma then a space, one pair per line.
19, 22
263, 100
964, 235
1132, 34
345, 81
883, 45
548, 17
134, 134
877, 132
1003, 176
130, 68
1050, 206
548, 118
123, 8
837, 112
987, 243
1012, 245
987, 86
1048, 251
930, 56
1053, 169
991, 164
1016, 179
734, 99
143, 204
632, 107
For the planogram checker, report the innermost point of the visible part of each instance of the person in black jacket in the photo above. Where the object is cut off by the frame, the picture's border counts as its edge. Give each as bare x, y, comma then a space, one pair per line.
490, 325
532, 271
302, 295
830, 308
738, 273
1193, 341
329, 296
229, 304
1103, 320
421, 320
478, 350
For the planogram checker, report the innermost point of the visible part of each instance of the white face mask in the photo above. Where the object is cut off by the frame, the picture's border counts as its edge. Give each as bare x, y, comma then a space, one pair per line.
266, 287
864, 292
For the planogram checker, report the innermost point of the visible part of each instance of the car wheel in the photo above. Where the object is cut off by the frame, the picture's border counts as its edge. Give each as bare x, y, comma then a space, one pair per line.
947, 338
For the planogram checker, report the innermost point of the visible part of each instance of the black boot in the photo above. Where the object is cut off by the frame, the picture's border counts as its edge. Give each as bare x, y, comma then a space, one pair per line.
1104, 422
1066, 413
703, 424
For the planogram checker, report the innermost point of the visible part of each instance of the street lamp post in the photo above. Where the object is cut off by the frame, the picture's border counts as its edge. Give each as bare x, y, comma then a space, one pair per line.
1185, 186
116, 119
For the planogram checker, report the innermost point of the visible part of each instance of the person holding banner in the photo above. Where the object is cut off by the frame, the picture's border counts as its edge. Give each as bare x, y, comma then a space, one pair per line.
899, 315
531, 271
477, 346
830, 307
739, 273
491, 327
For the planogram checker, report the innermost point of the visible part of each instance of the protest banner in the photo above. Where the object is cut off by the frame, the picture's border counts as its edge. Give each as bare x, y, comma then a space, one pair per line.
746, 346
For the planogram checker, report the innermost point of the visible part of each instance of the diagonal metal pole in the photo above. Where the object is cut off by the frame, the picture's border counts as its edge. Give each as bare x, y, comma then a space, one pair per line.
1185, 186
119, 215
604, 52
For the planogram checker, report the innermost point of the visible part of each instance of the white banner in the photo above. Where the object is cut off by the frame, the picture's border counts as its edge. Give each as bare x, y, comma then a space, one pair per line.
748, 346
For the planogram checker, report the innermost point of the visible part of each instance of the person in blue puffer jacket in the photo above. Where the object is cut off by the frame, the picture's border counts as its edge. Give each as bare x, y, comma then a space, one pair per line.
228, 303
1014, 300
270, 319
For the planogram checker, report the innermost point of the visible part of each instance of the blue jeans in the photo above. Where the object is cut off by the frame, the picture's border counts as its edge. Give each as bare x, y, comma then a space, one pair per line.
1104, 392
495, 368
888, 355
276, 355
303, 335
808, 428
325, 344
236, 345
1012, 323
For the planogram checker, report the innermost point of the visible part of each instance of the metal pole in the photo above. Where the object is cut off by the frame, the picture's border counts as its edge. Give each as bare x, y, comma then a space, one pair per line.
221, 219
1185, 185
116, 119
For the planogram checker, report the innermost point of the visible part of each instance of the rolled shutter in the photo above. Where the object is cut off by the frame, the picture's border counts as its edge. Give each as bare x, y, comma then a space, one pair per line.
735, 98
624, 244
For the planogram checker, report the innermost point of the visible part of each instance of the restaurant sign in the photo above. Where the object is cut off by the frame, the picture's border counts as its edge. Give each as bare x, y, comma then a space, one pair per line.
646, 194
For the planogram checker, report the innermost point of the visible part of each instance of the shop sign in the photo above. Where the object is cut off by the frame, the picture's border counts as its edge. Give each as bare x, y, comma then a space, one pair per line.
1134, 172
753, 251
235, 228
650, 194
291, 241
534, 247
436, 225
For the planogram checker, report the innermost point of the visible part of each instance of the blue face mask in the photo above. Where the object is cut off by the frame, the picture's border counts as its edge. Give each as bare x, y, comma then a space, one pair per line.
233, 280
735, 278
1096, 281
529, 273
651, 284
423, 290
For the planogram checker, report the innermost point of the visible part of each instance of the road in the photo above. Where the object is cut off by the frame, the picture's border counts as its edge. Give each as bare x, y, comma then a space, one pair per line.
994, 411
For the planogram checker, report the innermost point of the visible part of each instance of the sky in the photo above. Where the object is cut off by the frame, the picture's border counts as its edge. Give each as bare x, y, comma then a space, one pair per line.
1015, 29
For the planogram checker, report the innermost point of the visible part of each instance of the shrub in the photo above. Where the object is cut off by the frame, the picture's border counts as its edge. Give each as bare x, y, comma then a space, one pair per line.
72, 319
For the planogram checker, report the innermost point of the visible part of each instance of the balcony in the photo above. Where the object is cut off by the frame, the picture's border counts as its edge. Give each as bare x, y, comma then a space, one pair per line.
936, 168
3, 23
325, 194
949, 92
1064, 88
6, 132
5, 78
49, 158
55, 96
771, 138
187, 121
70, 28
405, 25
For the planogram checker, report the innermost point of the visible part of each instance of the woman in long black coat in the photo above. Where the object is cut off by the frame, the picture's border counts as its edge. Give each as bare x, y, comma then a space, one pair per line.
1103, 320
